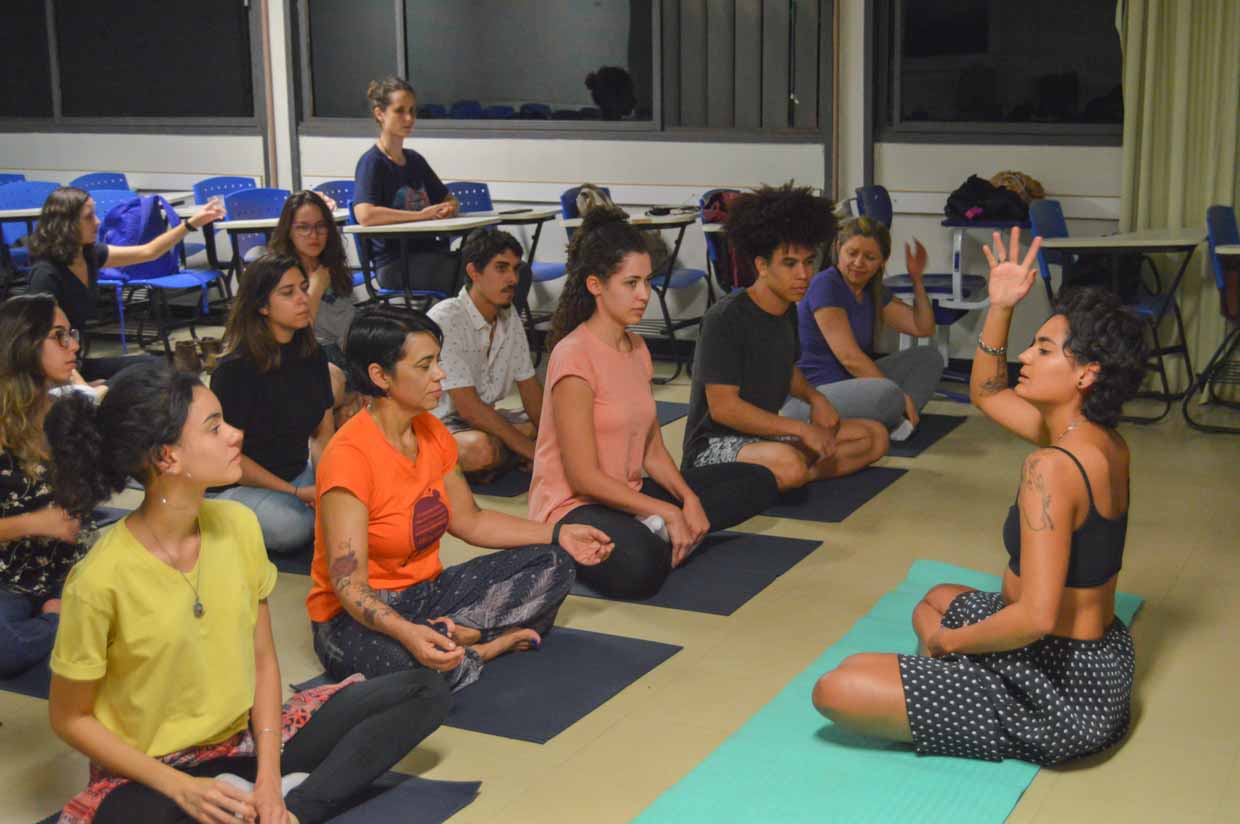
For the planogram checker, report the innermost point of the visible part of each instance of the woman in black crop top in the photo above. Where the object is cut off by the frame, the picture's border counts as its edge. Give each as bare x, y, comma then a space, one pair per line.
1041, 671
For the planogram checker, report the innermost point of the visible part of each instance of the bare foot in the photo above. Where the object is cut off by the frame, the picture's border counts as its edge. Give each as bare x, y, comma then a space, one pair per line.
466, 636
51, 605
518, 640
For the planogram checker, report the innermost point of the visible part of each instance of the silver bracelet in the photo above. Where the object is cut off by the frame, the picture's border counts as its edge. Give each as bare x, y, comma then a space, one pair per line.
998, 352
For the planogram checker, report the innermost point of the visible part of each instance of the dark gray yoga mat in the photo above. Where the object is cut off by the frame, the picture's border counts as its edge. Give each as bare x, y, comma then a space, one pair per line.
535, 696
831, 501
723, 573
396, 798
929, 431
515, 482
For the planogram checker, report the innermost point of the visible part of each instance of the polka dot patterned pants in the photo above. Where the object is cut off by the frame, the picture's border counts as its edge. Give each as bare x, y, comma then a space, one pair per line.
1052, 701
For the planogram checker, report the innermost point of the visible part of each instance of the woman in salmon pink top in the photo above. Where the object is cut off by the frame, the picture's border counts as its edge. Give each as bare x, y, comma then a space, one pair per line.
389, 487
600, 433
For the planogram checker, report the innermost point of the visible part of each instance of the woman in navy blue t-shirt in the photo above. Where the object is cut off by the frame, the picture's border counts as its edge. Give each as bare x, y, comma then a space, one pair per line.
396, 185
837, 320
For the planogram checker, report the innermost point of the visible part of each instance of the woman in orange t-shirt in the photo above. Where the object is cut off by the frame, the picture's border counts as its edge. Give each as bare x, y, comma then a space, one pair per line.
389, 487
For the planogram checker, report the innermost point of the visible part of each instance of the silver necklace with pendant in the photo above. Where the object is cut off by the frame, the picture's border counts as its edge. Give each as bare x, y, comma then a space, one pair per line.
199, 609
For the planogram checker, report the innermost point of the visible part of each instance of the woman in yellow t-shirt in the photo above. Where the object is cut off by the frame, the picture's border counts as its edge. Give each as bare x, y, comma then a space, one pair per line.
164, 670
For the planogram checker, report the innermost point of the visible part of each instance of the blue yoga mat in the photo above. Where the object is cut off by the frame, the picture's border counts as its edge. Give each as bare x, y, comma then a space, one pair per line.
396, 798
723, 573
669, 411
831, 501
929, 431
788, 764
535, 696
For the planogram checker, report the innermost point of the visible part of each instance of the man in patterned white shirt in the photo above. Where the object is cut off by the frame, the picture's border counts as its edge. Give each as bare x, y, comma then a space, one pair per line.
485, 353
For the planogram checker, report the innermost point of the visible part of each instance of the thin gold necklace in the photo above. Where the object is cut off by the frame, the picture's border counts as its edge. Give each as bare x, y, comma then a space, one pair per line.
1071, 426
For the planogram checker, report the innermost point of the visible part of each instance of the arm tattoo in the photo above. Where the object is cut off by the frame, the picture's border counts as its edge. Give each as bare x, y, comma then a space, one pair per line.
364, 598
995, 385
1035, 485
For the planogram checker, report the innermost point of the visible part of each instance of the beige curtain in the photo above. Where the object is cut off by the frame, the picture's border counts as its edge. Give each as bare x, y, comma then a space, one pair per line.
1182, 136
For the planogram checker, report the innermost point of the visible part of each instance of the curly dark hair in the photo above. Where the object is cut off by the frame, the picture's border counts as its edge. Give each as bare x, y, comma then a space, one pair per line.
613, 92
247, 332
377, 335
761, 221
1102, 331
95, 449
332, 257
597, 248
57, 237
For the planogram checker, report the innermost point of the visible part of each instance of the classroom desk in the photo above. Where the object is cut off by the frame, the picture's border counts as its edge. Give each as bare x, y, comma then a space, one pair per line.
172, 197
451, 226
1146, 241
533, 216
16, 215
714, 228
1228, 250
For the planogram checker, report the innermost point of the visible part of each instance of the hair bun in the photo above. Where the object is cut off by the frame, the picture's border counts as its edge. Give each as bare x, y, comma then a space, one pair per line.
601, 216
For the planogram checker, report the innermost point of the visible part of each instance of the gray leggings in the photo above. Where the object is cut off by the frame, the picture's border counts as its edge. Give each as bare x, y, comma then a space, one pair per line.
914, 372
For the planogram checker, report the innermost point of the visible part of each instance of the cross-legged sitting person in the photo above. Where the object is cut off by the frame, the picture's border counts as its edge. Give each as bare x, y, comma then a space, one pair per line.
838, 321
485, 353
1042, 670
389, 487
745, 367
164, 672
601, 428
39, 541
275, 387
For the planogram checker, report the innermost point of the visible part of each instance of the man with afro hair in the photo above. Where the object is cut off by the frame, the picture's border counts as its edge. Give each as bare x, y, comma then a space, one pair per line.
745, 366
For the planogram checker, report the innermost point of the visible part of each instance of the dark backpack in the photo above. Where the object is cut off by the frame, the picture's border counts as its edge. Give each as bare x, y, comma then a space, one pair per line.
729, 272
979, 199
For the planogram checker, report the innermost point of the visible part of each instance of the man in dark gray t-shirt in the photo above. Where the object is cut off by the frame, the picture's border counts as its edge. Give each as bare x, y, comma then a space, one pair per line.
745, 366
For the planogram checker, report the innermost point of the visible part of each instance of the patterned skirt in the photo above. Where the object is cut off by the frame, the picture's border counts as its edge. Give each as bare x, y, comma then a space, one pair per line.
1052, 701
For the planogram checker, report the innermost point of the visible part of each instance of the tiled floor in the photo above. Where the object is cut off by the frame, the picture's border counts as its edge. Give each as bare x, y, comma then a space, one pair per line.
1180, 764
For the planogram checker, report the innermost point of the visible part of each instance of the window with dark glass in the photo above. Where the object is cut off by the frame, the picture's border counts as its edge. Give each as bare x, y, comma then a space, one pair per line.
152, 58
26, 84
998, 62
537, 59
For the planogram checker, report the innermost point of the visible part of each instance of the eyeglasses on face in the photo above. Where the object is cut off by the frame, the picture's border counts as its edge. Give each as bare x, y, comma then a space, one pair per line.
65, 337
307, 229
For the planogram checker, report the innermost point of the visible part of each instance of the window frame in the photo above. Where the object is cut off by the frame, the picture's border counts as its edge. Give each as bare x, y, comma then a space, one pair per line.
647, 130
209, 125
889, 128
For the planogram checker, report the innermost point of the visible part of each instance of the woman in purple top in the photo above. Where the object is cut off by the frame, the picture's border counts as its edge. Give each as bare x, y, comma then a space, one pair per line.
837, 320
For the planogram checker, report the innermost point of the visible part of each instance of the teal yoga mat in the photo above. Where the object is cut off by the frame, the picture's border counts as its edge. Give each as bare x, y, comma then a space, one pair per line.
788, 764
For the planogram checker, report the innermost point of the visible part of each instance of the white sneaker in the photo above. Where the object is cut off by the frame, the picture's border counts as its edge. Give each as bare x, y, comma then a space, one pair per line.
904, 431
655, 524
236, 781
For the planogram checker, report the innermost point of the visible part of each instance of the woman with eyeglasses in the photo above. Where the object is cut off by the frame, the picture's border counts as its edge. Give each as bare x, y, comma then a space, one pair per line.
307, 231
68, 256
39, 542
274, 386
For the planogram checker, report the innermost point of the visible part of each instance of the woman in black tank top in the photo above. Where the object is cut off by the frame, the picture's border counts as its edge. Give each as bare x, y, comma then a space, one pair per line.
1041, 671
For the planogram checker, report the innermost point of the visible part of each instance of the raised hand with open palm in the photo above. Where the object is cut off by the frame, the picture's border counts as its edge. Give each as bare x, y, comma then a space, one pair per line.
1011, 281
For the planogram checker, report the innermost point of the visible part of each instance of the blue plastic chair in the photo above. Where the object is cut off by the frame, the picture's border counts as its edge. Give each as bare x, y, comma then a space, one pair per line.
466, 110
10, 177
252, 204
1046, 218
432, 111
498, 112
340, 191
1150, 305
113, 279
22, 194
1223, 368
473, 197
160, 279
220, 187
101, 180
534, 111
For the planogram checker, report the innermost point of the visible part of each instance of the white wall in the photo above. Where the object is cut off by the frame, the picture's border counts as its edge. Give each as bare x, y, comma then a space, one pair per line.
151, 161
